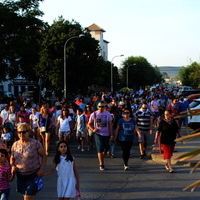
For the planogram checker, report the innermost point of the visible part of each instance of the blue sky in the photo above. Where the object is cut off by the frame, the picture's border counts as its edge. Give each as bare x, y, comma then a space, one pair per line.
165, 32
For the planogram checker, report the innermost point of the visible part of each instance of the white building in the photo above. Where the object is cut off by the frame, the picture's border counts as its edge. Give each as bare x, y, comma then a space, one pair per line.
17, 86
97, 33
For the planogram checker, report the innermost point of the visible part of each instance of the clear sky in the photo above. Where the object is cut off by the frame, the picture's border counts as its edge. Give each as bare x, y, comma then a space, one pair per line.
165, 32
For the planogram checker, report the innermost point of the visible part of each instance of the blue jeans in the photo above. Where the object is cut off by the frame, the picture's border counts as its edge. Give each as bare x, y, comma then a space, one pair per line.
4, 194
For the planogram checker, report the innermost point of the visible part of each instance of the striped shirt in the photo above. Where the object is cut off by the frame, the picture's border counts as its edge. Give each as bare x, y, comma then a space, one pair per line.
5, 174
143, 119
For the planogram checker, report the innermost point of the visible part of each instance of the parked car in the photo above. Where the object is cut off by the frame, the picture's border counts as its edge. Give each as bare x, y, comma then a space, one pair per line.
192, 97
194, 121
186, 93
182, 88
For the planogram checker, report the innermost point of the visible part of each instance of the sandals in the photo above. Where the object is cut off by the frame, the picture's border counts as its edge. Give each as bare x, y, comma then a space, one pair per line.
166, 167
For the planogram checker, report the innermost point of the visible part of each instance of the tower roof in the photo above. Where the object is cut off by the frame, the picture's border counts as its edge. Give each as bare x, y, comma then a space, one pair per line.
95, 27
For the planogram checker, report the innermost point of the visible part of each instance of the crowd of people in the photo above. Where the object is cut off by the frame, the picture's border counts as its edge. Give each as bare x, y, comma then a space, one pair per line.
103, 119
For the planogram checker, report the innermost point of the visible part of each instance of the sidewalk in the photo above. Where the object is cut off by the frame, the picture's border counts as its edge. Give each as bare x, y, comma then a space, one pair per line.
180, 149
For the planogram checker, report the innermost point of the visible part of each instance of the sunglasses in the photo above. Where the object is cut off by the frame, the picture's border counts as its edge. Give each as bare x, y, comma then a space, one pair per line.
126, 112
23, 132
87, 106
144, 108
101, 106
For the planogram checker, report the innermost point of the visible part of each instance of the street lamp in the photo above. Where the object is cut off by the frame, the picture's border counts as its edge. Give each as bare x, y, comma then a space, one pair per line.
127, 74
111, 77
65, 71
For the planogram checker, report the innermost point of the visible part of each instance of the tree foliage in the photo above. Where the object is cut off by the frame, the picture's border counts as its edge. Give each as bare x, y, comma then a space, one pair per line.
20, 32
190, 75
84, 66
140, 72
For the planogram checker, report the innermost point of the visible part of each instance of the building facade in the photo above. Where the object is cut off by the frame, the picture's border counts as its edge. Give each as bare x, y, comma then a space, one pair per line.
97, 33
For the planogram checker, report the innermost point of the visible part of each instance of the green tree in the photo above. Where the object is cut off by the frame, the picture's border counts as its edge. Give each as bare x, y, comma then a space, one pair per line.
20, 32
84, 66
190, 75
140, 72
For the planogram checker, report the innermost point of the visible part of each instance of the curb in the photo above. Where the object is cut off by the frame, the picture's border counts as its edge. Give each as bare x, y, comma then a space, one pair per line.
156, 156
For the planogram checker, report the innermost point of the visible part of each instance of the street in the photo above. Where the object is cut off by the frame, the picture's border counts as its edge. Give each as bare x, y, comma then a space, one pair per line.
145, 180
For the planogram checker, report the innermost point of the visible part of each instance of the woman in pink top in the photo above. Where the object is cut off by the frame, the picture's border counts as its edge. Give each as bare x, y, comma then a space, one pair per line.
25, 161
22, 112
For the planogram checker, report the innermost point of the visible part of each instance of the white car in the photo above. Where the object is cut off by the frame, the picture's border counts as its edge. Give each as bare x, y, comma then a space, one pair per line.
194, 121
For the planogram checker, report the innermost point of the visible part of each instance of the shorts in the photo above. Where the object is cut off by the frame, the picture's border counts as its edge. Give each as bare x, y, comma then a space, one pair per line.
102, 143
168, 150
26, 184
155, 114
4, 194
184, 121
64, 134
145, 136
81, 134
34, 128
47, 131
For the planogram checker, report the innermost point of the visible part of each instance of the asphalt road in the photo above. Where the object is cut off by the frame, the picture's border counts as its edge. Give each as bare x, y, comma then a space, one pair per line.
146, 180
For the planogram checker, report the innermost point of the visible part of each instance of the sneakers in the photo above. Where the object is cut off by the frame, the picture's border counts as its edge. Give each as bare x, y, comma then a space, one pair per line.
112, 155
79, 146
102, 168
126, 168
82, 149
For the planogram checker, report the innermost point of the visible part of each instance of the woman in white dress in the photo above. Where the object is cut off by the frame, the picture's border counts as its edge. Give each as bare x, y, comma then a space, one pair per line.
68, 179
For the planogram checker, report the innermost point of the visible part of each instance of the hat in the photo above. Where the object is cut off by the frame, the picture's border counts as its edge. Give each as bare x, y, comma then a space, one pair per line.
121, 103
39, 183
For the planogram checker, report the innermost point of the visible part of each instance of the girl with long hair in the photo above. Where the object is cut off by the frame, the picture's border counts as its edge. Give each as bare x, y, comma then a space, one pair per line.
68, 179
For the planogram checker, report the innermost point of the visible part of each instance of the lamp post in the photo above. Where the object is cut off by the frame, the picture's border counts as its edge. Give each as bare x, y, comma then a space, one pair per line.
127, 74
65, 71
111, 77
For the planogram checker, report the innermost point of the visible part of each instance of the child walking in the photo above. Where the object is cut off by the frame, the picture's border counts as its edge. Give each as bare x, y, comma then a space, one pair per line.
80, 127
5, 175
6, 137
68, 179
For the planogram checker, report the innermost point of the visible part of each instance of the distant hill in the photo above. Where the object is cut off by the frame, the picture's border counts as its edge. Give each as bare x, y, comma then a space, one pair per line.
170, 70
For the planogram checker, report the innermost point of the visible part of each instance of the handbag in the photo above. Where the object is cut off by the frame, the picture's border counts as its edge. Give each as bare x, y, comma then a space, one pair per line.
43, 128
39, 183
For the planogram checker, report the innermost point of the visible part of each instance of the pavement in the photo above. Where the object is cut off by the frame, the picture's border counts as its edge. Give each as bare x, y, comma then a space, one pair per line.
145, 180
180, 149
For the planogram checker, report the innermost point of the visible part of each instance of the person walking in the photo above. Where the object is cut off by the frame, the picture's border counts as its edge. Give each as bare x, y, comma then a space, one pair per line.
125, 135
100, 123
33, 119
90, 134
68, 178
168, 130
155, 104
144, 120
25, 161
45, 124
64, 125
6, 176
80, 127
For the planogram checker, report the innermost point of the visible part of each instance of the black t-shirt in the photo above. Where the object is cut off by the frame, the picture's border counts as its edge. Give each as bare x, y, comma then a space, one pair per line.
168, 131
